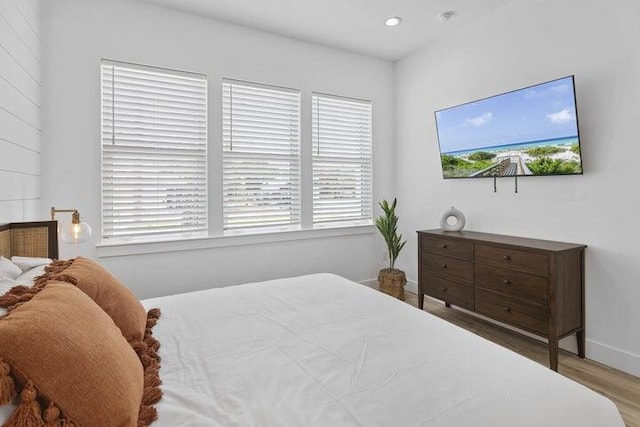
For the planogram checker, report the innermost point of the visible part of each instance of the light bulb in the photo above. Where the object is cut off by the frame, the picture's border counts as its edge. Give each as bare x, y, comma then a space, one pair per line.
75, 233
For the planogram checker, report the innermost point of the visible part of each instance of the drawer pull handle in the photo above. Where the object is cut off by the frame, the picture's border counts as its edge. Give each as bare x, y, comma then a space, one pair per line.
444, 265
444, 246
444, 289
506, 282
507, 309
506, 257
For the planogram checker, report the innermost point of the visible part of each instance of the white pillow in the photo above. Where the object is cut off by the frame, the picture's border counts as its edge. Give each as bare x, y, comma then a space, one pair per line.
27, 263
25, 279
28, 277
8, 270
5, 285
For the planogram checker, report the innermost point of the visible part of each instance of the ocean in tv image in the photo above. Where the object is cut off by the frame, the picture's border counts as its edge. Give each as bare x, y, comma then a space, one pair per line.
530, 131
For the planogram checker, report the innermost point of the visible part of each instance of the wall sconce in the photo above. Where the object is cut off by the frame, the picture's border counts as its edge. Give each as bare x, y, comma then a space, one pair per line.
77, 231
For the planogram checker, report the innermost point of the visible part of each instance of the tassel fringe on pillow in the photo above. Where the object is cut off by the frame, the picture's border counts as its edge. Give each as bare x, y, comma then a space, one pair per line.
147, 350
7, 387
28, 412
20, 294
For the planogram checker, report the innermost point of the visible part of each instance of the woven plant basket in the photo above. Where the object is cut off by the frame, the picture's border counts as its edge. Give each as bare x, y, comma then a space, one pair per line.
392, 282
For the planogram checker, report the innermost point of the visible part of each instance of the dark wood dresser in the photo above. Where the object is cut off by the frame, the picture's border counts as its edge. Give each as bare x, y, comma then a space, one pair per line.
534, 285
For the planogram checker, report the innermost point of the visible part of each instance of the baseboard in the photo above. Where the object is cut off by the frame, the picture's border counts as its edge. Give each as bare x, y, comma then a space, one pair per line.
410, 287
371, 283
613, 357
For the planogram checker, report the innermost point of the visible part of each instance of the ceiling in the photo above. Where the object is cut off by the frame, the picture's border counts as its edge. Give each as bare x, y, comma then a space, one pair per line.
353, 25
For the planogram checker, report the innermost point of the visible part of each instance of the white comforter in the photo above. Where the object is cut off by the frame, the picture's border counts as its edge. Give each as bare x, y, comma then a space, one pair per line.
320, 350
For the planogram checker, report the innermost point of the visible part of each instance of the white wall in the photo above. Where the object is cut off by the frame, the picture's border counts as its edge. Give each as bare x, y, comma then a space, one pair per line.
78, 33
19, 110
521, 44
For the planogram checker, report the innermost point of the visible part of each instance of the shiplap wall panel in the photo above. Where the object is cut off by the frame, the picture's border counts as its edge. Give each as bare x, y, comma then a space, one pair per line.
22, 25
17, 186
12, 187
12, 71
16, 103
18, 159
31, 11
12, 43
18, 131
21, 210
20, 115
31, 209
12, 210
32, 187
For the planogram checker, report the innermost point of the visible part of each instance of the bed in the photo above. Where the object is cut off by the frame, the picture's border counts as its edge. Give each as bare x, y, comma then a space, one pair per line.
320, 350
37, 241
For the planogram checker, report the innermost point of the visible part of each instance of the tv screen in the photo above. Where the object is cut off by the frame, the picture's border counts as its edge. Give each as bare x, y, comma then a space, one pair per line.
526, 132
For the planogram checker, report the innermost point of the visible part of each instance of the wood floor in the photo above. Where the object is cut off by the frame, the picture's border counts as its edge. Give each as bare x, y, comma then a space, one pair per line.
623, 389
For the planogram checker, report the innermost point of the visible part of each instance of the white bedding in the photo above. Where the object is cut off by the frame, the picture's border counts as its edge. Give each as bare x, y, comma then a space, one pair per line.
320, 350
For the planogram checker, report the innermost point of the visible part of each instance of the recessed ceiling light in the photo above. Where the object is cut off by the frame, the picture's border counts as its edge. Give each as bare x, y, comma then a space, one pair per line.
393, 21
445, 16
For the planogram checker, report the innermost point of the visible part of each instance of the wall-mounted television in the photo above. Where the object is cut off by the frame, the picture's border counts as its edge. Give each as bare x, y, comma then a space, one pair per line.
527, 132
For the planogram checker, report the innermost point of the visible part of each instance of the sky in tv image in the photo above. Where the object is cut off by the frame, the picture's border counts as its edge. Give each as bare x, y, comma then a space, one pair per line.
542, 112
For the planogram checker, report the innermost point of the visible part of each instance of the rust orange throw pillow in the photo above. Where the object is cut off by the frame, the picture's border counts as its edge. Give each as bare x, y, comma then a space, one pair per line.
110, 294
65, 350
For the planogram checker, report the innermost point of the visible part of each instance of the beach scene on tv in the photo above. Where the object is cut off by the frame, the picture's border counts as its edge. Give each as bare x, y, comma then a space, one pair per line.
531, 131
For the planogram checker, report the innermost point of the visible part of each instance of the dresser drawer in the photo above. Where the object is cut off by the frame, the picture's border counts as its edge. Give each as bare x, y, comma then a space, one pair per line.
448, 247
512, 259
512, 283
531, 317
448, 268
451, 292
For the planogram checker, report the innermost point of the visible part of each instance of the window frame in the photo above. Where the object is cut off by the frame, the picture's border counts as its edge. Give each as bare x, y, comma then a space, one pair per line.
107, 238
294, 211
368, 185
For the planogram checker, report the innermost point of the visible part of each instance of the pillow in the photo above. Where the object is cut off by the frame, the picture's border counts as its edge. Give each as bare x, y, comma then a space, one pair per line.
27, 263
5, 285
66, 352
25, 279
8, 270
110, 294
22, 292
28, 277
5, 412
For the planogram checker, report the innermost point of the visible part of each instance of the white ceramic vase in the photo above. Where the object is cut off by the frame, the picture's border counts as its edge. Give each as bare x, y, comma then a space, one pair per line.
452, 213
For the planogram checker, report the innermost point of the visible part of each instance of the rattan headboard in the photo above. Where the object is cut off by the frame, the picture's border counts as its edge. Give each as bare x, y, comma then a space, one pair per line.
32, 239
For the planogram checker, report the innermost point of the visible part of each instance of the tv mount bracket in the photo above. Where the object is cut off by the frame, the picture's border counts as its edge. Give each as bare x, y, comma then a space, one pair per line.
495, 186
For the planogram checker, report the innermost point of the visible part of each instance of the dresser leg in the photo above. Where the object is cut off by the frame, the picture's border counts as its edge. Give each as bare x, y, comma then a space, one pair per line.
553, 353
420, 301
580, 336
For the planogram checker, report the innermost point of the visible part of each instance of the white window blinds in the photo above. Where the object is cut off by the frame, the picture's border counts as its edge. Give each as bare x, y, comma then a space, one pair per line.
342, 160
261, 155
154, 151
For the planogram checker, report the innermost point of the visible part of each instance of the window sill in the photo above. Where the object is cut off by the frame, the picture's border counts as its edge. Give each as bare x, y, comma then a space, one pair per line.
107, 249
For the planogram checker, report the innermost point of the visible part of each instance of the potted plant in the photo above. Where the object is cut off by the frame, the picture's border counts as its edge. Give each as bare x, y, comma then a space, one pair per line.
391, 280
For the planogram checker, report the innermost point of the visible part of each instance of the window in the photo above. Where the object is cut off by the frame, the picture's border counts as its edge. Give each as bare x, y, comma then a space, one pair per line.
342, 157
154, 151
261, 155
